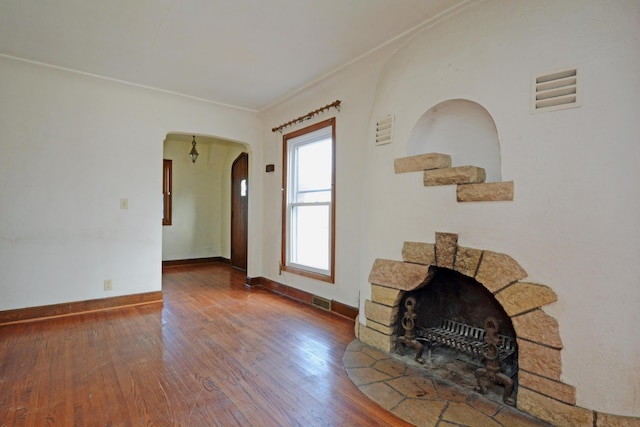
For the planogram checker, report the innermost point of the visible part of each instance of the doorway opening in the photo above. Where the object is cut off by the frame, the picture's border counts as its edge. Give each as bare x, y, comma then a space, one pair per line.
200, 229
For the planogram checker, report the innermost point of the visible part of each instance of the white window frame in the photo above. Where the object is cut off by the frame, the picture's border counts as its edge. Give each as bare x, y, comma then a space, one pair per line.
291, 141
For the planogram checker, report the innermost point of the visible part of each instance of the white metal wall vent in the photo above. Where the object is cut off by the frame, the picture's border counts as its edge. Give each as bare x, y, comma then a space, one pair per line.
384, 130
555, 91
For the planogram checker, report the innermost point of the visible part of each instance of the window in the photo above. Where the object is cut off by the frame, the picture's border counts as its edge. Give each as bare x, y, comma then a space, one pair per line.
166, 192
309, 201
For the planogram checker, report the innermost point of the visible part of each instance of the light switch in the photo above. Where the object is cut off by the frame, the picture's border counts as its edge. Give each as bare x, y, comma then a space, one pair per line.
124, 203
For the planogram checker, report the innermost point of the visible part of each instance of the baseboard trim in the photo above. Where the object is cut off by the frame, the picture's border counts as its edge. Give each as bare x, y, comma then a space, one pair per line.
300, 296
32, 314
343, 309
194, 261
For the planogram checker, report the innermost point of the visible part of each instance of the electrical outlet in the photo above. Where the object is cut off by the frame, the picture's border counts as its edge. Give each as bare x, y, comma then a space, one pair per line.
107, 285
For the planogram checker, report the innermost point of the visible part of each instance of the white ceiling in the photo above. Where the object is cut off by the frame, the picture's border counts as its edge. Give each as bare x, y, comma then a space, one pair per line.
245, 53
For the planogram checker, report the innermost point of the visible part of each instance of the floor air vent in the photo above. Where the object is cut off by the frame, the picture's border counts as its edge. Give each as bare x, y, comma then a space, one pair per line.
320, 302
384, 130
555, 91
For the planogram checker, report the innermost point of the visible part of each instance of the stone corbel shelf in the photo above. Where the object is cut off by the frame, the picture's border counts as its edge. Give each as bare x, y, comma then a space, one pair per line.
470, 183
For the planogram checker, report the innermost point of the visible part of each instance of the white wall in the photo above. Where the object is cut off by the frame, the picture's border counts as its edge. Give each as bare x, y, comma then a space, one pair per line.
574, 222
201, 199
71, 146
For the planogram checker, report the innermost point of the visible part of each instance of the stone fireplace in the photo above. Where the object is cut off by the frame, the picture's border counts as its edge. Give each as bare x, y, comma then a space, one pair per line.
499, 280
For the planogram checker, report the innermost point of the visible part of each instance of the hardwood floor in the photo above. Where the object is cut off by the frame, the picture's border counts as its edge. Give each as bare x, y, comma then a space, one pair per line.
216, 354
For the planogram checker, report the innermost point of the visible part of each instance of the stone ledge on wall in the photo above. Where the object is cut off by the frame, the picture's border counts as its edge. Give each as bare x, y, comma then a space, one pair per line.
422, 162
455, 175
485, 192
437, 170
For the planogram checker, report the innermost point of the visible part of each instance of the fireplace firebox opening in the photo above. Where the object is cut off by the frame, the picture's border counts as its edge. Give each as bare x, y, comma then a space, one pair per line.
464, 330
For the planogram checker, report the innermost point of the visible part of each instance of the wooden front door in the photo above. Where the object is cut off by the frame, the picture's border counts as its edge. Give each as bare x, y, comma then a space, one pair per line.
239, 211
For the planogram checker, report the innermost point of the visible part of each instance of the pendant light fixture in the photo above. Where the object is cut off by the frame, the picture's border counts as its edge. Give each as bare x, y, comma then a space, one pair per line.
193, 153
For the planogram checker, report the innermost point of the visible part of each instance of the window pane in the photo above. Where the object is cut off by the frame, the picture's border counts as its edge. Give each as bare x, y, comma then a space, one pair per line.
314, 166
310, 236
243, 188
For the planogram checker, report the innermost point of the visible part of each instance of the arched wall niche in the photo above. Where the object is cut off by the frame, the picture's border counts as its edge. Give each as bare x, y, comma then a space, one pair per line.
463, 129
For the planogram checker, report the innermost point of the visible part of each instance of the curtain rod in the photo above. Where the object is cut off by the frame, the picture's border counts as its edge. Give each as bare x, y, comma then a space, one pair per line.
309, 115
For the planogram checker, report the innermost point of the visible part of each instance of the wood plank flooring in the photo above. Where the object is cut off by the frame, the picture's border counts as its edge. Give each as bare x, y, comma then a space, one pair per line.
216, 354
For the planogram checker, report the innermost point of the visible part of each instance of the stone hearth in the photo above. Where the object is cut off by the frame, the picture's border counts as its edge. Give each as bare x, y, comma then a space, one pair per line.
420, 397
541, 392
